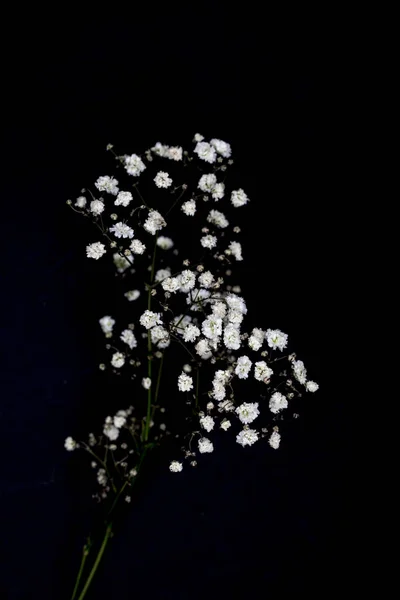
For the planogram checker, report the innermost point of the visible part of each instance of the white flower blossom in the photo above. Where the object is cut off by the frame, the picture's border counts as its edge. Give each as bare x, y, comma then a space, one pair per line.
146, 383
70, 444
262, 371
207, 182
171, 284
107, 323
235, 248
206, 279
118, 360
185, 382
218, 309
218, 191
132, 295
81, 202
247, 412
165, 243
121, 230
276, 339
111, 431
175, 466
189, 208
236, 303
225, 424
174, 153
187, 368
223, 148
232, 337
119, 421
207, 423
137, 247
212, 327
218, 219
107, 184
128, 337
206, 152
134, 165
121, 262
162, 180
247, 437
239, 198
312, 386
159, 334
274, 440
226, 406
102, 477
96, 207
162, 274
243, 367
203, 349
277, 403
205, 445
208, 241
123, 199
256, 339
191, 333
150, 319
188, 280
198, 137
299, 371
154, 222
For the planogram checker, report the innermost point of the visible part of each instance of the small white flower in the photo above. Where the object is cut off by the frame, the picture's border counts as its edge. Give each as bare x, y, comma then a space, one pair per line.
218, 309
232, 337
218, 191
102, 477
158, 334
239, 198
81, 202
312, 386
165, 243
205, 445
146, 383
262, 372
185, 383
208, 241
121, 262
274, 440
223, 148
203, 349
162, 274
207, 182
137, 247
189, 208
121, 230
132, 295
134, 165
171, 284
154, 222
235, 248
96, 207
206, 152
107, 184
119, 421
191, 333
128, 337
187, 368
276, 339
174, 153
207, 423
107, 323
187, 280
247, 437
198, 137
128, 499
212, 327
175, 466
247, 412
150, 319
218, 219
162, 180
123, 199
243, 367
299, 371
118, 360
206, 279
225, 424
210, 405
256, 339
70, 444
111, 431
277, 403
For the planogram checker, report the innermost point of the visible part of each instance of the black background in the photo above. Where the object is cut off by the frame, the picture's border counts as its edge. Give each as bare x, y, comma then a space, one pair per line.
245, 522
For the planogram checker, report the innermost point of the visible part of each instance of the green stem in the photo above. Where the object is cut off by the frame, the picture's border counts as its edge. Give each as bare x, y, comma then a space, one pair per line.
149, 347
97, 561
159, 379
81, 568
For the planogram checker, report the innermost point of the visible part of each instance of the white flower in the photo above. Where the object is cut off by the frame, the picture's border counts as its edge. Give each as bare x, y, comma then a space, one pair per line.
262, 372
107, 184
212, 327
159, 334
118, 360
206, 152
218, 219
102, 477
247, 412
205, 445
175, 466
226, 406
274, 440
134, 165
128, 499
137, 247
165, 243
189, 208
162, 274
107, 323
187, 368
276, 339
185, 382
160, 149
247, 437
299, 371
81, 202
119, 421
171, 284
154, 222
256, 339
232, 337
225, 424
132, 295
210, 405
243, 367
121, 262
207, 423
96, 207
312, 386
111, 431
174, 153
191, 333
206, 279
128, 337
223, 148
188, 280
208, 241
121, 230
277, 403
236, 303
162, 180
203, 349
70, 444
123, 199
239, 198
150, 319
198, 137
218, 191
235, 248
207, 182
218, 309
146, 383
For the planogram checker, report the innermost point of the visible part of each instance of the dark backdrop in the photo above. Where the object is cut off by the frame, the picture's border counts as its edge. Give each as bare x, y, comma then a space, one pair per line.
247, 522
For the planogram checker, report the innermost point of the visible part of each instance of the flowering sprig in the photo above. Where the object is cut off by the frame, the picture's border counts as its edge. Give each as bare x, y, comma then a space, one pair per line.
187, 309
